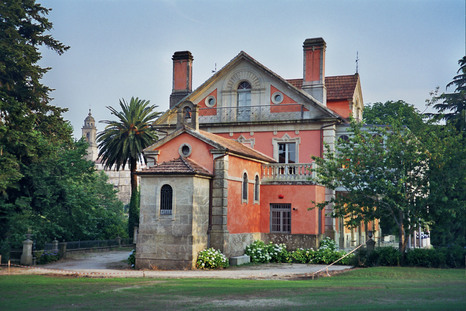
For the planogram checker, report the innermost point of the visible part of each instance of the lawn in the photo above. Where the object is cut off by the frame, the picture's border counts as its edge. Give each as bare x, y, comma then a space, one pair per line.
383, 288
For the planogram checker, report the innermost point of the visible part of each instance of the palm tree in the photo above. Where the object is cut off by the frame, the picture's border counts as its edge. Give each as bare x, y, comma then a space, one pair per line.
121, 143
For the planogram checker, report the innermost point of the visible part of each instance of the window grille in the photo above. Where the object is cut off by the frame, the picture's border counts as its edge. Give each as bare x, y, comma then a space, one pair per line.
256, 189
245, 187
280, 218
166, 195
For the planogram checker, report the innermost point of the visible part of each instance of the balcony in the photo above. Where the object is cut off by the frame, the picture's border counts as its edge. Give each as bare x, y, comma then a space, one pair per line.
281, 112
288, 173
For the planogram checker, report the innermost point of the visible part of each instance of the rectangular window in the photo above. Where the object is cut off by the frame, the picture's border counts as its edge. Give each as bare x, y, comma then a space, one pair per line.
280, 218
286, 152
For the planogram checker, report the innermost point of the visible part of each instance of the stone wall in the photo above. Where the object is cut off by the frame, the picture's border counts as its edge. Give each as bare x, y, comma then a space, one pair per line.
293, 241
172, 241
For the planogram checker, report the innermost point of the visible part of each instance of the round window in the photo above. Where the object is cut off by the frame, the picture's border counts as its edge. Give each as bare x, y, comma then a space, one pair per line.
185, 150
277, 97
210, 101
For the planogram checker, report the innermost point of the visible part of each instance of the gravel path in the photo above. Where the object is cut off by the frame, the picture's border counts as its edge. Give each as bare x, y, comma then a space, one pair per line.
112, 264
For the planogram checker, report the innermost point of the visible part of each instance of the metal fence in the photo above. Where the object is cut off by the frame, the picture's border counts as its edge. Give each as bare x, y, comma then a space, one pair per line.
74, 245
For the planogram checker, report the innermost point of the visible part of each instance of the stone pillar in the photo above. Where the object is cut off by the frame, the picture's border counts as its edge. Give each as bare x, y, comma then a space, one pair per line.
118, 239
219, 231
62, 250
135, 234
26, 256
370, 245
328, 134
55, 246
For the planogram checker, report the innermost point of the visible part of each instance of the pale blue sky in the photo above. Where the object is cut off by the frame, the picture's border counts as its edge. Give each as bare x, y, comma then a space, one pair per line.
123, 48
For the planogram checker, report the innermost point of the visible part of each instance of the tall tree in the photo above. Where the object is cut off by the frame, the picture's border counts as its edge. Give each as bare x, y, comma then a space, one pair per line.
451, 107
382, 172
122, 142
28, 123
394, 112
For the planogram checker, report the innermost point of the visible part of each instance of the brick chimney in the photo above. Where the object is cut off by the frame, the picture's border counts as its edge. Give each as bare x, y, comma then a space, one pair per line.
182, 76
314, 69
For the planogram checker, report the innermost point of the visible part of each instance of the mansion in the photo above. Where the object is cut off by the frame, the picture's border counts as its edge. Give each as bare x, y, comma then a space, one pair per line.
233, 161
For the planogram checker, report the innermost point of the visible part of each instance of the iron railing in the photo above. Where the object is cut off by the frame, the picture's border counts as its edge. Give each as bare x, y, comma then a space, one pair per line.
281, 112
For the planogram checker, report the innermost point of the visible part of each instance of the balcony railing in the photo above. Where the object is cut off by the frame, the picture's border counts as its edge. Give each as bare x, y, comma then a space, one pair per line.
284, 172
280, 112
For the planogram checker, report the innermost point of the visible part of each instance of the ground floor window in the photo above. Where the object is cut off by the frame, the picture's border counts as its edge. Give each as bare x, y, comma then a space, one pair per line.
280, 218
166, 194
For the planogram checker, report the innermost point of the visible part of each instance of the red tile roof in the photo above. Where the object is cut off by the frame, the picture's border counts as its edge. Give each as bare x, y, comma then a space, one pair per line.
236, 147
338, 87
180, 166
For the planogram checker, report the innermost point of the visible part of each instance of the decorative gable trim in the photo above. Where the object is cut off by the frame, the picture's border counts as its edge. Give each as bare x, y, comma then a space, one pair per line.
243, 75
244, 140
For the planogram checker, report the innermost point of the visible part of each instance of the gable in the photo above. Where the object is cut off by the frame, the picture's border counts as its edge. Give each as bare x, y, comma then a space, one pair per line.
272, 98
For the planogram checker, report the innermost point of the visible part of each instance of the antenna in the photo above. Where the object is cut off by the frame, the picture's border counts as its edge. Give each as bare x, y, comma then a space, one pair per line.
215, 69
357, 61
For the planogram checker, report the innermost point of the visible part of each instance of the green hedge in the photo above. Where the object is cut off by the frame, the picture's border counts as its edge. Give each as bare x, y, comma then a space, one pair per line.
451, 257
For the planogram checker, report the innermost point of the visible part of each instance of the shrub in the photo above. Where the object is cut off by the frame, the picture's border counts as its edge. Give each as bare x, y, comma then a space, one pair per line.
258, 252
211, 259
454, 256
47, 257
277, 252
132, 259
302, 255
326, 254
328, 243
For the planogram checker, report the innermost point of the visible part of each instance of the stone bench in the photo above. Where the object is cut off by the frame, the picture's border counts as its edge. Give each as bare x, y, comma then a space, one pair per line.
239, 260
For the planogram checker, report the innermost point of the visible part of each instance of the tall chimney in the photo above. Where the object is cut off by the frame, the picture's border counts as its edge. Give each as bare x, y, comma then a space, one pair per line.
314, 69
182, 76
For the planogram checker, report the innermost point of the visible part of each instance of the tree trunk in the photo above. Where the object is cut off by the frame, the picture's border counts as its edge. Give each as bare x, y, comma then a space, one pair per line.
133, 213
401, 244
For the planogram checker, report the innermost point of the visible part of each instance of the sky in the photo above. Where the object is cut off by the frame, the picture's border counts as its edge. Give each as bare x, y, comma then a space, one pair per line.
122, 48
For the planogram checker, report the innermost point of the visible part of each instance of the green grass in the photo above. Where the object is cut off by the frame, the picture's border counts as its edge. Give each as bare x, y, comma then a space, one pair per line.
383, 288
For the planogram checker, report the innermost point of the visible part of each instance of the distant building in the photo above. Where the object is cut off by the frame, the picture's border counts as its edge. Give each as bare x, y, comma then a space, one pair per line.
234, 164
120, 179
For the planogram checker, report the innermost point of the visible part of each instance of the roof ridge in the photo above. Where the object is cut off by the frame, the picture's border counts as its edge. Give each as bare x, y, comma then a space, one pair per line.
185, 162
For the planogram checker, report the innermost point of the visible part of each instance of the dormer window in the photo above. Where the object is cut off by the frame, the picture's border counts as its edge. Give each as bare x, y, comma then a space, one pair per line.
187, 112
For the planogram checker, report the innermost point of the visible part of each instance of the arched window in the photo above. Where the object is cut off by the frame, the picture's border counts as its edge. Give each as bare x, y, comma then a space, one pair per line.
256, 188
245, 187
166, 195
244, 101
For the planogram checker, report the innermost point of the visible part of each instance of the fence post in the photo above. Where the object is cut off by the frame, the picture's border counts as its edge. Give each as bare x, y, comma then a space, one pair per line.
62, 250
55, 246
26, 256
118, 241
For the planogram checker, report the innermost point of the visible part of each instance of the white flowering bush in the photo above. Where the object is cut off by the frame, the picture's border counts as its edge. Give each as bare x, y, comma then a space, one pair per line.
325, 254
263, 253
211, 259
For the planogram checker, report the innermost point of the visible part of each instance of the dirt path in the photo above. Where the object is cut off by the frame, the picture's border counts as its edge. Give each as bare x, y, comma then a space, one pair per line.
112, 264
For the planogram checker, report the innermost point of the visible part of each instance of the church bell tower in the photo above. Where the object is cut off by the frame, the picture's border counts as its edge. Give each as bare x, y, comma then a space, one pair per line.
90, 133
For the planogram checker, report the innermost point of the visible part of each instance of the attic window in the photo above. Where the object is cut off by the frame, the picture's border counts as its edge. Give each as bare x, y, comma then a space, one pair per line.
210, 101
185, 150
277, 98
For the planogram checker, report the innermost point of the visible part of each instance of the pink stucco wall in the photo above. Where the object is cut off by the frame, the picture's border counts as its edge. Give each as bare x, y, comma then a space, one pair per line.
310, 142
200, 151
243, 217
303, 221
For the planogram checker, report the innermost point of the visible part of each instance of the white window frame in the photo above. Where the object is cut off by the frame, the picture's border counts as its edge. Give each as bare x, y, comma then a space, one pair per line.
286, 139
